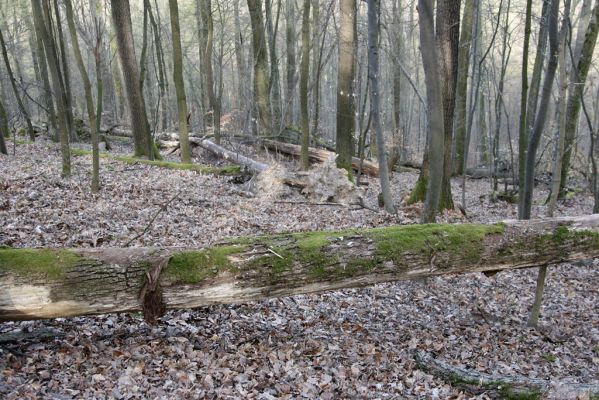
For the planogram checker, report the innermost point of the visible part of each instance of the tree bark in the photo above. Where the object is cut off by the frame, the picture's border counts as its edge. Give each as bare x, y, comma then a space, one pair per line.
49, 283
179, 85
42, 22
15, 90
523, 134
290, 72
435, 108
89, 98
346, 108
121, 16
375, 101
260, 66
462, 86
303, 89
448, 36
582, 66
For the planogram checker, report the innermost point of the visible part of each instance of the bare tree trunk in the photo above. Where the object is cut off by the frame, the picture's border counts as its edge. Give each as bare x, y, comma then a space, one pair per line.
162, 80
291, 78
304, 72
260, 66
89, 98
274, 82
462, 86
42, 21
15, 90
121, 16
448, 36
179, 85
523, 134
561, 106
70, 282
346, 123
581, 68
435, 109
533, 144
375, 101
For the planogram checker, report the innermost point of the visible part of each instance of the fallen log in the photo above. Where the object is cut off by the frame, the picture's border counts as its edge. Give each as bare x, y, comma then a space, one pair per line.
504, 386
48, 283
320, 155
236, 158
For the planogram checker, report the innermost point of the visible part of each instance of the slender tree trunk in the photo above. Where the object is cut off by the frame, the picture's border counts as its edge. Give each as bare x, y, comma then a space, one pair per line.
346, 123
533, 144
523, 134
375, 100
4, 132
435, 109
562, 97
66, 74
15, 90
499, 102
462, 86
260, 66
291, 68
535, 79
162, 80
42, 21
304, 74
208, 32
179, 85
242, 78
46, 98
274, 83
582, 66
89, 98
139, 121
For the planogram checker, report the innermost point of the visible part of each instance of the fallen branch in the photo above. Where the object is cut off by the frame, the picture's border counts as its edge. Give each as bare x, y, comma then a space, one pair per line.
48, 283
504, 386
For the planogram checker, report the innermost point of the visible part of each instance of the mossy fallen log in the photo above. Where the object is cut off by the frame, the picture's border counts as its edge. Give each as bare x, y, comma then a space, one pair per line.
508, 387
48, 283
205, 169
320, 155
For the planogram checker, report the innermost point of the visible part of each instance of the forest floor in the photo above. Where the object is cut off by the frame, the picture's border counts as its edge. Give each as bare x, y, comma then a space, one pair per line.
347, 344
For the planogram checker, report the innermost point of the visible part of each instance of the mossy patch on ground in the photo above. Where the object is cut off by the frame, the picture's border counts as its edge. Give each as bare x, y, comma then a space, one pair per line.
51, 263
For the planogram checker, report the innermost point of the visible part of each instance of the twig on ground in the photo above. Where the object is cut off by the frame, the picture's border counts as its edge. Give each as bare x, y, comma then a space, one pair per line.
147, 228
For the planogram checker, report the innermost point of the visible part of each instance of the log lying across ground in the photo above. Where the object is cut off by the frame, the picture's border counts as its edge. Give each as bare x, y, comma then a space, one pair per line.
47, 283
509, 387
320, 155
235, 158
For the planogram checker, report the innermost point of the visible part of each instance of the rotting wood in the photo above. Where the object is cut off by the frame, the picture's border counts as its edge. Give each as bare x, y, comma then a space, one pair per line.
49, 283
504, 386
319, 155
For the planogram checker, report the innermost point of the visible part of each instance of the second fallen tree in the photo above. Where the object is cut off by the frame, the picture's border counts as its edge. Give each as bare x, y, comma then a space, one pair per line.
49, 283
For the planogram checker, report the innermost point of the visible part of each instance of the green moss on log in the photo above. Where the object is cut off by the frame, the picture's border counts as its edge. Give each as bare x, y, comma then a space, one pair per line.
191, 267
394, 242
43, 262
227, 170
